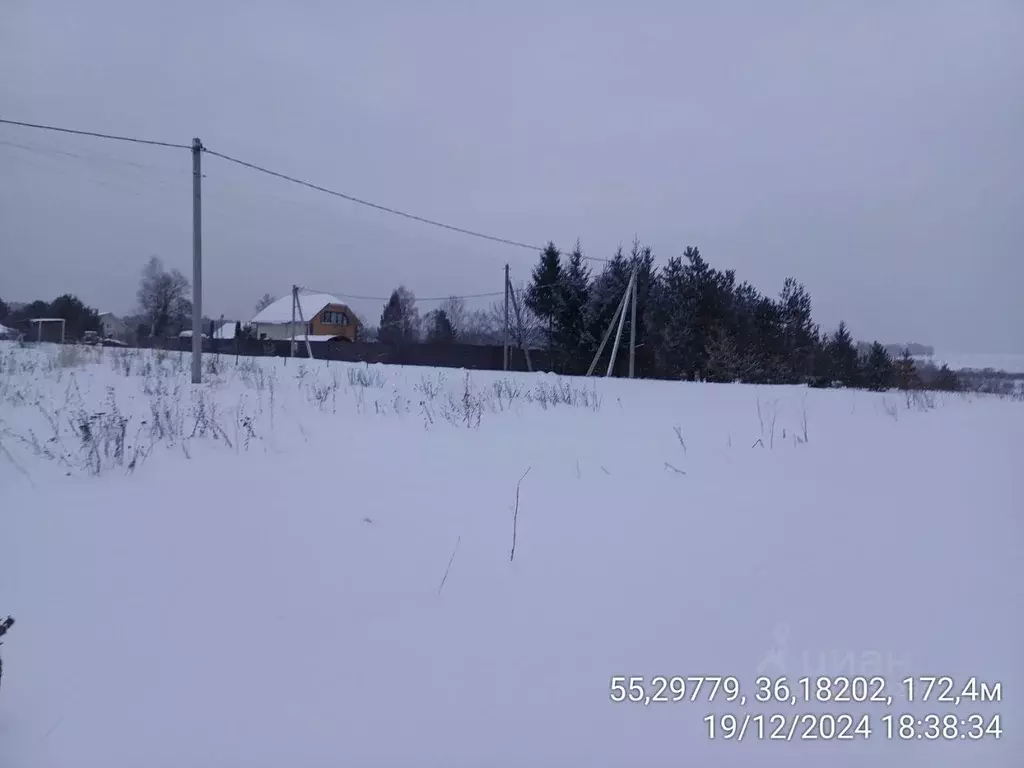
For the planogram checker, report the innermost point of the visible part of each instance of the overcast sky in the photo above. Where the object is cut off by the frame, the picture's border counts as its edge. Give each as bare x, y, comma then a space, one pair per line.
872, 149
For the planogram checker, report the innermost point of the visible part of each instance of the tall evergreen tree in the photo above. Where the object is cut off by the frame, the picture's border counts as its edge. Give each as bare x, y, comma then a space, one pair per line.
570, 329
947, 380
439, 327
879, 372
399, 322
542, 293
843, 357
906, 372
801, 334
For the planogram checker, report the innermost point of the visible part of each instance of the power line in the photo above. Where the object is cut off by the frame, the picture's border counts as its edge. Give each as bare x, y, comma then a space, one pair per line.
112, 137
293, 180
384, 208
487, 295
367, 203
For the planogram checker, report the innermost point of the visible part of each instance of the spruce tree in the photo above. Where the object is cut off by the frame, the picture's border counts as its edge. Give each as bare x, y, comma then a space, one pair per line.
906, 372
879, 372
439, 327
542, 293
570, 324
947, 380
843, 357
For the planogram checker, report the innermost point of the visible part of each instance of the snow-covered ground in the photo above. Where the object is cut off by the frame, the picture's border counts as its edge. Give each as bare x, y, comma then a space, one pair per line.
308, 565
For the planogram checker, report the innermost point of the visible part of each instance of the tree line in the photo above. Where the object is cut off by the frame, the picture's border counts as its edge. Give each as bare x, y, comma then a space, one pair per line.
696, 322
78, 318
693, 322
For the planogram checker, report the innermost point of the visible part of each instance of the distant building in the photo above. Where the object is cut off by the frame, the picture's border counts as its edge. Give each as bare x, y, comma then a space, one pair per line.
326, 317
225, 331
113, 327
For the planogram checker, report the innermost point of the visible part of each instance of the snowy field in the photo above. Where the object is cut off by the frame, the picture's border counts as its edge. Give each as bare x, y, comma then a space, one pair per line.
309, 565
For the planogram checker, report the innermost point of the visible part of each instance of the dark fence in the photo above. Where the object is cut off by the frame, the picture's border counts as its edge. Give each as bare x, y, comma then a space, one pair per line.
469, 356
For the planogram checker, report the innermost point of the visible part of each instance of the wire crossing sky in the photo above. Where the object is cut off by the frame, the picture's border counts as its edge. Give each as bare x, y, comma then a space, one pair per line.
870, 151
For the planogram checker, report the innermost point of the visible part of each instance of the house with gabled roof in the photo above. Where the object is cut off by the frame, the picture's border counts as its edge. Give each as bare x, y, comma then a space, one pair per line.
326, 317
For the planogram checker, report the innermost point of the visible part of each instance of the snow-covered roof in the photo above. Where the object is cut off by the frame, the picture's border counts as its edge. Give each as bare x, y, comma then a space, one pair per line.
281, 310
188, 335
226, 331
4, 330
301, 337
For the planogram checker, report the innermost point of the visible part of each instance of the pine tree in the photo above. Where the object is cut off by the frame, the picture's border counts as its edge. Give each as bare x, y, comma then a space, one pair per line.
843, 357
723, 360
399, 322
570, 324
439, 327
947, 380
879, 372
906, 372
542, 294
801, 334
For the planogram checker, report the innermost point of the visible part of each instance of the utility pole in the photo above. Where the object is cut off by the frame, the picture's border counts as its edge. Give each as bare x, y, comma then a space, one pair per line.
632, 328
197, 262
505, 364
622, 321
291, 328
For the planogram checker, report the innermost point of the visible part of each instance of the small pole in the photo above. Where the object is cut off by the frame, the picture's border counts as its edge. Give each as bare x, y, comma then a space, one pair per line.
505, 364
622, 322
197, 262
305, 325
291, 328
607, 334
632, 330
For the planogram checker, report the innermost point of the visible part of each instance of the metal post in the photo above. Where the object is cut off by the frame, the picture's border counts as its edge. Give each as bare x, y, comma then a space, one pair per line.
622, 322
305, 325
632, 330
505, 364
607, 334
291, 328
197, 262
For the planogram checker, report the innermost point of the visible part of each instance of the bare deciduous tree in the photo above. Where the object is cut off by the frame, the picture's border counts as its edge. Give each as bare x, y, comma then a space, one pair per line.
531, 334
454, 309
163, 298
265, 301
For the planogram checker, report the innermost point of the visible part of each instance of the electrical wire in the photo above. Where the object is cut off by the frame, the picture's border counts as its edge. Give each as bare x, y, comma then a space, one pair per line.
353, 297
291, 179
112, 137
384, 208
360, 201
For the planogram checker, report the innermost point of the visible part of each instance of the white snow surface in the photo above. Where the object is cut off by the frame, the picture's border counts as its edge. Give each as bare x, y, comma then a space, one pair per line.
281, 310
308, 564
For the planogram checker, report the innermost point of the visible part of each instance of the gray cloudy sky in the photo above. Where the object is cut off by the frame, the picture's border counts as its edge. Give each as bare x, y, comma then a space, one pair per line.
872, 149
